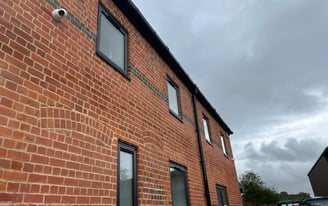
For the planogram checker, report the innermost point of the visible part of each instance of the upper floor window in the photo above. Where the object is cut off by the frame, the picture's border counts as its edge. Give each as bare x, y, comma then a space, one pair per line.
173, 97
127, 175
222, 195
111, 41
224, 149
178, 185
206, 130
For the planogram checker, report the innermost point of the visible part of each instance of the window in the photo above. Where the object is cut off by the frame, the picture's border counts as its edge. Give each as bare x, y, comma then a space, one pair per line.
222, 195
224, 149
173, 98
206, 130
111, 41
178, 185
127, 181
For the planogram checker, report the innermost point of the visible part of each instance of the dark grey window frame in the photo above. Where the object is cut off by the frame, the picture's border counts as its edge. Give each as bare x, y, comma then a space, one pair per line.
174, 85
181, 169
122, 146
124, 71
208, 129
222, 195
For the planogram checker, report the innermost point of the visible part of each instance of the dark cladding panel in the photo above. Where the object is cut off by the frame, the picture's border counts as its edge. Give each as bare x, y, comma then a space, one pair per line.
318, 175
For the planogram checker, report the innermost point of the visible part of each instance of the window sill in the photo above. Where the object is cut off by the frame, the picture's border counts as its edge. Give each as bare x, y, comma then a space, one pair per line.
108, 62
209, 142
176, 116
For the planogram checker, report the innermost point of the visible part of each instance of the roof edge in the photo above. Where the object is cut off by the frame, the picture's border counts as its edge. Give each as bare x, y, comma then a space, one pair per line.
324, 153
146, 30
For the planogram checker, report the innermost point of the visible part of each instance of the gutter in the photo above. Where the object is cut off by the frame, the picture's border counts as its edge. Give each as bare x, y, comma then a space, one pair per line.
201, 151
145, 29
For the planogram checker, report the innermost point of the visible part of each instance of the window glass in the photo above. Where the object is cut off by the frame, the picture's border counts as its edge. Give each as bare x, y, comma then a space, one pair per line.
178, 186
111, 41
173, 98
206, 129
126, 177
127, 187
223, 145
222, 195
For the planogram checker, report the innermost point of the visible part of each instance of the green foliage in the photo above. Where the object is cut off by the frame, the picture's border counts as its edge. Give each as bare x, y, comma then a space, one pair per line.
300, 196
303, 195
124, 174
251, 178
255, 191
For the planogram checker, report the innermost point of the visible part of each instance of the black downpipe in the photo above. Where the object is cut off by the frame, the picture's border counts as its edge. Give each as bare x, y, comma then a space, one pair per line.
201, 152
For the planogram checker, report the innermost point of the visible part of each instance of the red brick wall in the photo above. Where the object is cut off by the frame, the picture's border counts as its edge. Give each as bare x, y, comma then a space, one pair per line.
63, 111
220, 168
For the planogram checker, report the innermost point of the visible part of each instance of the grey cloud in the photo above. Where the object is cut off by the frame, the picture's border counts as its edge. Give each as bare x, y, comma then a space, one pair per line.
285, 176
292, 150
284, 167
263, 68
260, 64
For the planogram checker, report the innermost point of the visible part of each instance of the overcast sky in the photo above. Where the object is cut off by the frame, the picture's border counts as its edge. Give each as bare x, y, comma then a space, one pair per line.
264, 66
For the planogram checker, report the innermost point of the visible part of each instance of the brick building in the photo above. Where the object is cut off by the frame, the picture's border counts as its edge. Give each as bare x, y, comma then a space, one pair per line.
95, 110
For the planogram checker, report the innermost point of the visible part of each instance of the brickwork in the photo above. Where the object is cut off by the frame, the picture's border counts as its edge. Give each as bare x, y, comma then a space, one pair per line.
63, 111
215, 159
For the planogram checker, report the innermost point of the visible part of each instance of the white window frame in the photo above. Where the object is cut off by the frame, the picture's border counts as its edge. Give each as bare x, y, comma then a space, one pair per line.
174, 105
223, 143
207, 129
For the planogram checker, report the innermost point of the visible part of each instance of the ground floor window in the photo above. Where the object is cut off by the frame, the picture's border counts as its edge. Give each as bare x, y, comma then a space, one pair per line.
222, 195
127, 181
179, 187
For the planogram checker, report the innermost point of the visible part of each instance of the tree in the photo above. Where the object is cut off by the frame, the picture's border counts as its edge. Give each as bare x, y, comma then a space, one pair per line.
250, 178
255, 191
300, 196
303, 195
124, 174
